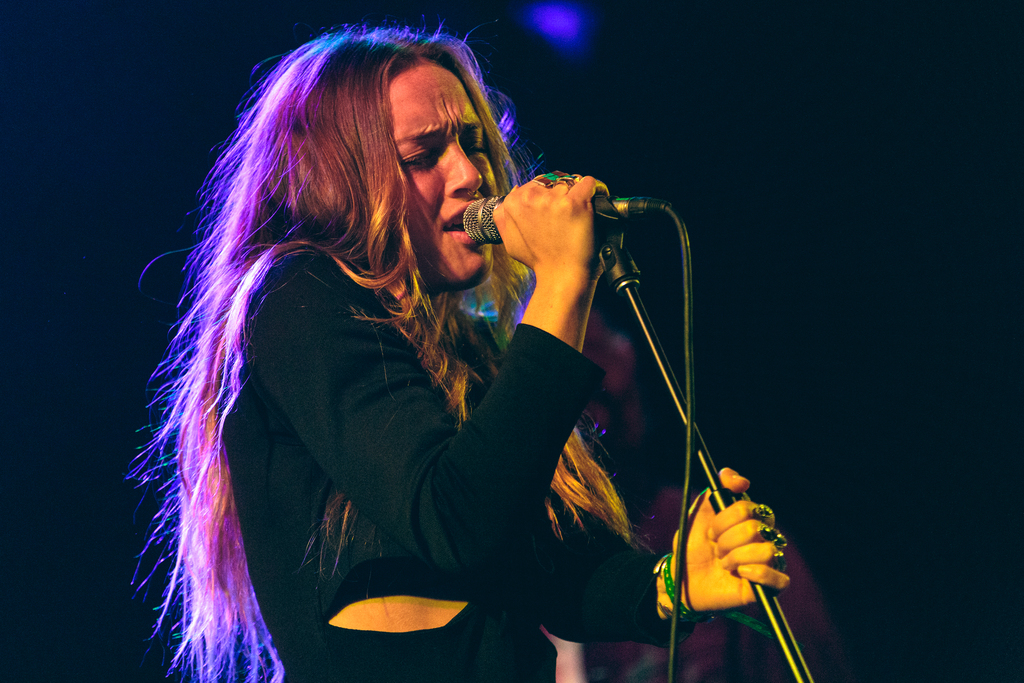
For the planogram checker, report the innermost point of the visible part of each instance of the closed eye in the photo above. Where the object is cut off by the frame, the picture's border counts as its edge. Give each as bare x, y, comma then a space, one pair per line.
423, 160
473, 141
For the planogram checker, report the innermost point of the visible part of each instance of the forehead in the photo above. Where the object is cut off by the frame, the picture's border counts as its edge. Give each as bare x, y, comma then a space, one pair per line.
429, 98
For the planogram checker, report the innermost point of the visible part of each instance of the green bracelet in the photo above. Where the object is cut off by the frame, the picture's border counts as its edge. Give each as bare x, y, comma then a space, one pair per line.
664, 566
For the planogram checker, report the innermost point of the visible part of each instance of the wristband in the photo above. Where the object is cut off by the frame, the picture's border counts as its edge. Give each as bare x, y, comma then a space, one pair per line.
664, 567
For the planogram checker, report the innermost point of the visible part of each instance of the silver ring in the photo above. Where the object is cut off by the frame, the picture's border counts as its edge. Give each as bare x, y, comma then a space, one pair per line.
549, 180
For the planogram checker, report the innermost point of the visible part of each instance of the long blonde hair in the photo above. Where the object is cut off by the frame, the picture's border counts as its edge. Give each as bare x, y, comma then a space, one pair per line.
313, 165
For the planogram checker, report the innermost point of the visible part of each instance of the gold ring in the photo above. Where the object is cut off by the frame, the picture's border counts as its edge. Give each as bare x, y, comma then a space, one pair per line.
771, 535
779, 560
763, 513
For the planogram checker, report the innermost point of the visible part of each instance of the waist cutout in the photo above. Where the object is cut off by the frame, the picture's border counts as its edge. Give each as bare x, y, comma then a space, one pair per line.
397, 614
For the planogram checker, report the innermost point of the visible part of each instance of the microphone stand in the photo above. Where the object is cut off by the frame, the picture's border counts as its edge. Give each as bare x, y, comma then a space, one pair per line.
623, 276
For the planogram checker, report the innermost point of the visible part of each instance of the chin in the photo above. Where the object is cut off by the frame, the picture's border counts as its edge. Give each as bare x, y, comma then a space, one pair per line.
461, 282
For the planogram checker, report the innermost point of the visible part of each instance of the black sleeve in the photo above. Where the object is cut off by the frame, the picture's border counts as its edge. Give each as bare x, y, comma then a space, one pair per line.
592, 586
357, 397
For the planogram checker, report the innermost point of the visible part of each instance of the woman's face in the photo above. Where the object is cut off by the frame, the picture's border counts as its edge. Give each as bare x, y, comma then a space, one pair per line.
445, 159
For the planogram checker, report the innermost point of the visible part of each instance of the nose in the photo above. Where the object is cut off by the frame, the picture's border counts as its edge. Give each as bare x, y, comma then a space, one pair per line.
464, 178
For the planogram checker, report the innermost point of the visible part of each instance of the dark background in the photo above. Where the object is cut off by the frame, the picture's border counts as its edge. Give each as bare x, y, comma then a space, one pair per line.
851, 177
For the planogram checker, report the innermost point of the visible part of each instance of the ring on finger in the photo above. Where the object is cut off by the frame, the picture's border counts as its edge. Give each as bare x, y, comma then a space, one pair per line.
779, 560
763, 513
773, 536
549, 180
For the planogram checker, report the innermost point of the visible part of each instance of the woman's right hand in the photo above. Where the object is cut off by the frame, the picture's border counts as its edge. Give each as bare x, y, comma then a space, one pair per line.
551, 231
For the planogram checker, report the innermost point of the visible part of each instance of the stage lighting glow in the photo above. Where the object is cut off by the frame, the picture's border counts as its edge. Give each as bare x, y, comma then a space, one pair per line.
567, 26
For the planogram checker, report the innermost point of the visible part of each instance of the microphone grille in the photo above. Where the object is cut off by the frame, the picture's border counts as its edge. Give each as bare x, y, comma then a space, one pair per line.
478, 221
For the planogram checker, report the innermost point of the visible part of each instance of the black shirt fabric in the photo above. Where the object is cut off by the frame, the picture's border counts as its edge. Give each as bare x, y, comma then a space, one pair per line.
334, 402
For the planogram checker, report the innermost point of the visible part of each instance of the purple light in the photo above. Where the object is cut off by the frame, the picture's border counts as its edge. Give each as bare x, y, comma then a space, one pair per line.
567, 26
559, 23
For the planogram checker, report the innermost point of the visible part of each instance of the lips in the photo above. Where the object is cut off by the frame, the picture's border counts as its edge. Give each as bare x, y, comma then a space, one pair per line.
455, 223
456, 232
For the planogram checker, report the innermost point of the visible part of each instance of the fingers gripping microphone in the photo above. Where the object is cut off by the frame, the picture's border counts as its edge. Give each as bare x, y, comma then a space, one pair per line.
478, 220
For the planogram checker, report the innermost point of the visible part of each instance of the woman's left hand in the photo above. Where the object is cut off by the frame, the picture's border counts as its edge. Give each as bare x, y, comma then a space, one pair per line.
724, 552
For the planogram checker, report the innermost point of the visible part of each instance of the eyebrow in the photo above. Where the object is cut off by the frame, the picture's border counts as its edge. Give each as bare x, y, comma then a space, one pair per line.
434, 133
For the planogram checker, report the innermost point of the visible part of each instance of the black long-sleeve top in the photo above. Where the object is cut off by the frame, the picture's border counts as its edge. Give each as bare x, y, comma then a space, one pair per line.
334, 402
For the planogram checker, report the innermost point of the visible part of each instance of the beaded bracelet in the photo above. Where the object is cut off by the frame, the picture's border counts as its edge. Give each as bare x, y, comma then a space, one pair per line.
664, 567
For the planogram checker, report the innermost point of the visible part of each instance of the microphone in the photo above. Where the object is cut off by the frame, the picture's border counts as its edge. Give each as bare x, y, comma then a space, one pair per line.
478, 219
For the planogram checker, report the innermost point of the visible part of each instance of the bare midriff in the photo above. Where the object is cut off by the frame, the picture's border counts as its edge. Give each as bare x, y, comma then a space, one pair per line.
397, 614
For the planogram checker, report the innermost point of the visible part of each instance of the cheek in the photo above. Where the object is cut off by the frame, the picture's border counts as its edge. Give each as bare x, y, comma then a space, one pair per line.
424, 205
425, 189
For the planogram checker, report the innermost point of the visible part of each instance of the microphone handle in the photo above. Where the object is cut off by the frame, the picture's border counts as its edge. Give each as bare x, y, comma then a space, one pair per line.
626, 208
478, 220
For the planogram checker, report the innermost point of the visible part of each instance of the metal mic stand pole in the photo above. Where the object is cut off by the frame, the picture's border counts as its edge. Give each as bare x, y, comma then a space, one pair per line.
624, 277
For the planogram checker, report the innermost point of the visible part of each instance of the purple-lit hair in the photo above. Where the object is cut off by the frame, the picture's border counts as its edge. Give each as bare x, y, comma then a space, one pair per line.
312, 165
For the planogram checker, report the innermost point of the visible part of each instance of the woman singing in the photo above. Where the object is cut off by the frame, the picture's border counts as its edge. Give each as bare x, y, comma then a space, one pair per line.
371, 472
